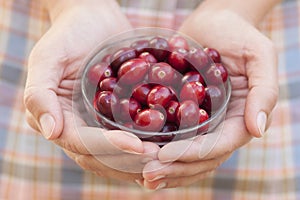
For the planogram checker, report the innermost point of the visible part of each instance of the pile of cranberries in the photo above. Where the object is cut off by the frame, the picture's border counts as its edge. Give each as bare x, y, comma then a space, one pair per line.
158, 84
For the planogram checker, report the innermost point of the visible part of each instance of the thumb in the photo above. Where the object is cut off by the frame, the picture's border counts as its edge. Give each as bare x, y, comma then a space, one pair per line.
263, 88
40, 95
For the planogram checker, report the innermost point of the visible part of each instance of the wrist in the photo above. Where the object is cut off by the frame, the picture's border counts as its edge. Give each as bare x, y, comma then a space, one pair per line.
57, 7
252, 11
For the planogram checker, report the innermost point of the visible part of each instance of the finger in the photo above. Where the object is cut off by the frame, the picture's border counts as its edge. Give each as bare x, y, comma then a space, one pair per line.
176, 182
224, 140
40, 95
262, 72
156, 170
97, 141
90, 163
125, 162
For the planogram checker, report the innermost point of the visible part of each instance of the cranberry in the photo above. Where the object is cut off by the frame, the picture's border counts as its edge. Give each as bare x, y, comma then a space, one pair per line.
169, 127
214, 75
120, 56
223, 71
95, 100
159, 95
108, 84
148, 57
98, 72
178, 41
159, 47
133, 71
140, 46
187, 114
122, 90
214, 97
171, 111
193, 76
178, 61
149, 120
128, 109
161, 73
203, 116
141, 92
213, 54
198, 59
104, 103
193, 91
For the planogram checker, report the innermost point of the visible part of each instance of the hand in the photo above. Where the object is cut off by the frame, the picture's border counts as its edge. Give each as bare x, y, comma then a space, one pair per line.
251, 62
52, 72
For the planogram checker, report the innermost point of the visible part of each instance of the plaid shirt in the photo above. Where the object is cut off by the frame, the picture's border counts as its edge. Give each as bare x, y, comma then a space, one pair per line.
34, 168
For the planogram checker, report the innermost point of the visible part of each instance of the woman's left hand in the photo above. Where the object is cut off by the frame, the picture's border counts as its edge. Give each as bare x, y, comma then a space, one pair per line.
252, 65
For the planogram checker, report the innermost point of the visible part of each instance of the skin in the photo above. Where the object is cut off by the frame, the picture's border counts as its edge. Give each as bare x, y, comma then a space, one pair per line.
120, 155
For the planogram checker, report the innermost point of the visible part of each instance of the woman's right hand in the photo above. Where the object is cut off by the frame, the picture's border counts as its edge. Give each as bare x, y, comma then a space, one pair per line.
52, 72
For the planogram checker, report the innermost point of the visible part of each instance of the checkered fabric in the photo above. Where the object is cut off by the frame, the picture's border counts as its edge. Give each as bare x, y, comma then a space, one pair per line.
34, 168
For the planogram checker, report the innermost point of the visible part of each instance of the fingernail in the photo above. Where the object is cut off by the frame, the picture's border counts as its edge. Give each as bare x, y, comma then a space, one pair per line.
261, 122
47, 124
157, 178
161, 186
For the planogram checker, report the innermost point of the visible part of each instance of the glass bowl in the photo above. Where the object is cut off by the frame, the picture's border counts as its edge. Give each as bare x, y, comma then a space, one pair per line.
106, 53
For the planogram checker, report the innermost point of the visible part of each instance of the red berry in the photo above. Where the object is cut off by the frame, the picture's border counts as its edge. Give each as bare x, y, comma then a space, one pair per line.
187, 114
213, 54
169, 127
159, 96
193, 91
161, 73
140, 46
105, 102
171, 111
203, 116
223, 71
121, 56
122, 90
193, 76
159, 47
177, 60
214, 98
178, 41
149, 120
133, 71
98, 72
108, 84
213, 75
140, 93
148, 57
128, 109
198, 59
